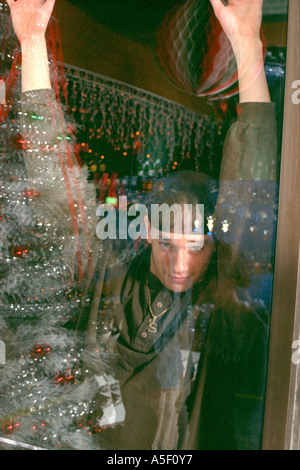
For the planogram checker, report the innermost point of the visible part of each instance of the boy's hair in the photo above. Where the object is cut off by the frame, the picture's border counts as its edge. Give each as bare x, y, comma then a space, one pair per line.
178, 191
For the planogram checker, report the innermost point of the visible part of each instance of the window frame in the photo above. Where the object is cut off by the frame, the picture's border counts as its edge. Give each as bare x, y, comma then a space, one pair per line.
282, 380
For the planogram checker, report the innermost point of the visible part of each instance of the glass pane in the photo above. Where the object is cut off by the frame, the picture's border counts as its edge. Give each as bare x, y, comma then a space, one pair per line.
138, 225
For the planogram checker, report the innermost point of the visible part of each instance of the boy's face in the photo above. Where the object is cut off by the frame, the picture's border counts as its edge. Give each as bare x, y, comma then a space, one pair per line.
179, 263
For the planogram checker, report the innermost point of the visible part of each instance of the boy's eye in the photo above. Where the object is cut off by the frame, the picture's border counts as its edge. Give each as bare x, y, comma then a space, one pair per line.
165, 244
195, 247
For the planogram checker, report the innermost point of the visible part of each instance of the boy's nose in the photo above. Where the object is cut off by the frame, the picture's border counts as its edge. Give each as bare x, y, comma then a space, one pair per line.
180, 264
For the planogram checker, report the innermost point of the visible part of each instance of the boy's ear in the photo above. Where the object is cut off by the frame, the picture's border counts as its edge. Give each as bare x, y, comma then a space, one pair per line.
148, 228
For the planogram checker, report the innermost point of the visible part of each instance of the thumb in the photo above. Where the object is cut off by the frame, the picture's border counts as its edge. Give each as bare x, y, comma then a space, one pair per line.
48, 7
218, 5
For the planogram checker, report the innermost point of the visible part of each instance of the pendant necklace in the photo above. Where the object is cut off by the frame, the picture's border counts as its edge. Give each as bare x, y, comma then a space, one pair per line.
152, 328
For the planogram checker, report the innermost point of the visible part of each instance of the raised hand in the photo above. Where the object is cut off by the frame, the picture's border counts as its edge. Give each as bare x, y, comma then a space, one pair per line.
30, 20
240, 19
30, 17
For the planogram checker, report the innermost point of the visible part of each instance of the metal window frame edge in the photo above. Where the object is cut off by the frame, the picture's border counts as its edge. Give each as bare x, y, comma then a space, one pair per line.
281, 407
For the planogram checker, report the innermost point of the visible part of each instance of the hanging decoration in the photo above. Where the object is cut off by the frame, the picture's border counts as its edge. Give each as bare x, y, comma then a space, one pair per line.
194, 52
156, 131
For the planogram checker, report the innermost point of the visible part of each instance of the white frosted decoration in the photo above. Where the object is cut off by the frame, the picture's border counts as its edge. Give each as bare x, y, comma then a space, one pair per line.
2, 92
2, 353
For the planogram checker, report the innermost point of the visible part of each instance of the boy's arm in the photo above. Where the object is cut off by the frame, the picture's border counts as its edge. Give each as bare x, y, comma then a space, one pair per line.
250, 147
30, 20
241, 21
64, 201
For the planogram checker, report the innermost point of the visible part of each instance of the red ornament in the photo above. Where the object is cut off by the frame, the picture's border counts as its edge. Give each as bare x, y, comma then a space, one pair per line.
137, 146
18, 142
94, 428
30, 193
40, 350
38, 427
112, 187
10, 428
224, 106
19, 251
64, 378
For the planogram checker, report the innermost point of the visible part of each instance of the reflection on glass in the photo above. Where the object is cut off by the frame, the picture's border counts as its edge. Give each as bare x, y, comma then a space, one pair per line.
137, 317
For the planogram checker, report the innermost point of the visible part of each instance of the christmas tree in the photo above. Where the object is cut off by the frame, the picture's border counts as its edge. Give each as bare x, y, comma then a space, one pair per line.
46, 394
49, 397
